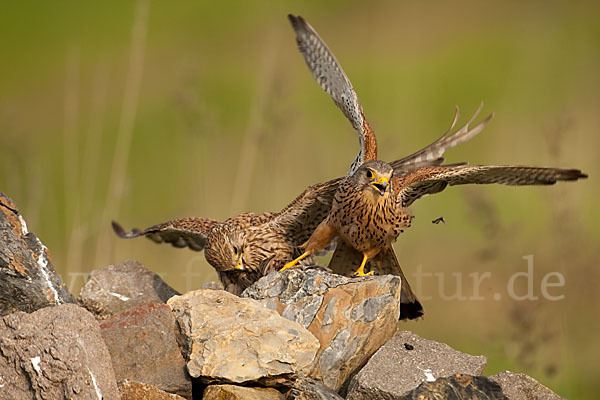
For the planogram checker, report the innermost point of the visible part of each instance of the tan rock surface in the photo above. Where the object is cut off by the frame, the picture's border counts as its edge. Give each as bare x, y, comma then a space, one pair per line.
351, 317
132, 390
233, 340
232, 392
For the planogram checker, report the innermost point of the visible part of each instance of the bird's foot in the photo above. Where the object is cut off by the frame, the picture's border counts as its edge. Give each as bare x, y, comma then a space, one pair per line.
294, 262
289, 265
361, 272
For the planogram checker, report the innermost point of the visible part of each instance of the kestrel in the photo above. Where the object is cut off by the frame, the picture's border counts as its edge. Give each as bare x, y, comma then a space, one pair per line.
245, 247
369, 212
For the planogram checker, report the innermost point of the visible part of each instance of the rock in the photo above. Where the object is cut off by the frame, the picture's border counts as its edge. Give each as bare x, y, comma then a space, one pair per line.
131, 390
351, 317
117, 288
228, 339
405, 362
29, 281
212, 285
232, 392
523, 387
456, 387
54, 353
310, 389
143, 346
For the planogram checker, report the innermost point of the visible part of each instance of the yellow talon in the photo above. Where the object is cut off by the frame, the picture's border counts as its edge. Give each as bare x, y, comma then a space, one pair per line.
293, 263
361, 270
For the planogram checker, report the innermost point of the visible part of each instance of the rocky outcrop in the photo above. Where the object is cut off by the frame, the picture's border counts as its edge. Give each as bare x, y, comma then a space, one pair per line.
351, 317
117, 288
54, 353
228, 339
310, 389
132, 390
143, 346
455, 387
405, 362
231, 392
29, 281
523, 387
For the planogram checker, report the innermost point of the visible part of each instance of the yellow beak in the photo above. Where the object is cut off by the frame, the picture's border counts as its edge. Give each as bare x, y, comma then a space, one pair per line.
381, 185
240, 263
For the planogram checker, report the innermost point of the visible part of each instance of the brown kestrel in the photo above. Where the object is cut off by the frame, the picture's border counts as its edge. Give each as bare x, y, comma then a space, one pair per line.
369, 212
245, 247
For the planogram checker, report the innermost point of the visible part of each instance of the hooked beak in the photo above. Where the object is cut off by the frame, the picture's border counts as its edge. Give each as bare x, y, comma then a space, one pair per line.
240, 263
381, 185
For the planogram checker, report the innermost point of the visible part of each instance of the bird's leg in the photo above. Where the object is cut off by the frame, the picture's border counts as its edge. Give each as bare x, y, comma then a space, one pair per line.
361, 270
293, 263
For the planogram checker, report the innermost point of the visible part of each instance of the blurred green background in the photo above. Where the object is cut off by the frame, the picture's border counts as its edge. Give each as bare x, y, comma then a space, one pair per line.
147, 111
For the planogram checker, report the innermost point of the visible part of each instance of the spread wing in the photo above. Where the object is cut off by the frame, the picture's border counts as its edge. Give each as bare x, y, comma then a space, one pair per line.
430, 180
432, 154
328, 73
300, 218
185, 232
246, 220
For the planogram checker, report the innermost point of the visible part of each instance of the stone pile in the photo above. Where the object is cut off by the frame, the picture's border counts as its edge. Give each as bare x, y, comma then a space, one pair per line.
301, 334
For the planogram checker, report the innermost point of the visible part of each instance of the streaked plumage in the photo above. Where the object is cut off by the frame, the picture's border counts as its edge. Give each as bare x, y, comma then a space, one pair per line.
368, 217
260, 243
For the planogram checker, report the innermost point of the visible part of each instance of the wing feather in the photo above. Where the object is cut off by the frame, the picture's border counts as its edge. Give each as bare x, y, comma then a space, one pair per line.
300, 218
432, 154
328, 73
430, 180
185, 232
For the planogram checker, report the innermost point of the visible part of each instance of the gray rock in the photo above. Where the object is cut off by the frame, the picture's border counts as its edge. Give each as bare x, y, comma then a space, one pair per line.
54, 353
310, 389
132, 390
523, 387
117, 288
351, 317
29, 281
143, 346
231, 392
405, 362
455, 387
228, 339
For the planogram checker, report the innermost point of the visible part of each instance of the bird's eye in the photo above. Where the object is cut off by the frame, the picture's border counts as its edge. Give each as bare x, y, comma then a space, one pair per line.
235, 250
370, 174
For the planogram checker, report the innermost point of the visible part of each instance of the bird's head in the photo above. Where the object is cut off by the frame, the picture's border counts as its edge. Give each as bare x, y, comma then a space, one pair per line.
225, 249
374, 176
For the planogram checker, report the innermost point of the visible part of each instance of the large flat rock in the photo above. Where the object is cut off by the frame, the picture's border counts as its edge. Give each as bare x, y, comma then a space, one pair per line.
54, 353
116, 288
406, 361
143, 347
523, 387
228, 339
29, 281
351, 317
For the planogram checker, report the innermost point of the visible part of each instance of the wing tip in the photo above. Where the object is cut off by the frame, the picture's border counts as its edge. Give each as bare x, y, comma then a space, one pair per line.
296, 21
121, 232
574, 174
